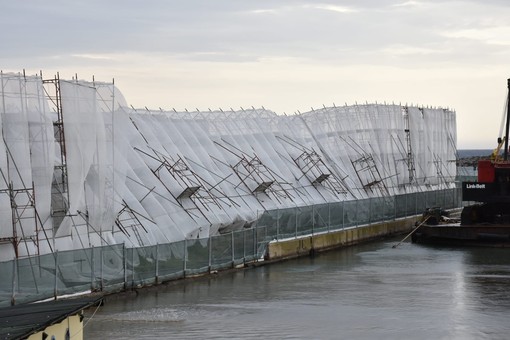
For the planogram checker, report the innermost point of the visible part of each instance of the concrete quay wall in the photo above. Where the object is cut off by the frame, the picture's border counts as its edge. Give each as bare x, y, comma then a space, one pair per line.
309, 244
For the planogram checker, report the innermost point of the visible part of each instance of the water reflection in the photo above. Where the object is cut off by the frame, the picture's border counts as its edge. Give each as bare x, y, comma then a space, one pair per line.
368, 291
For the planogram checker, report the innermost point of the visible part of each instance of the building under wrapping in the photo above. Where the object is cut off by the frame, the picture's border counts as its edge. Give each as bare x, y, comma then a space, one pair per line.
80, 168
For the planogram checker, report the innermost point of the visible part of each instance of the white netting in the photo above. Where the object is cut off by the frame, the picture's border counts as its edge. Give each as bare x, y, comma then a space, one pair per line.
27, 156
144, 177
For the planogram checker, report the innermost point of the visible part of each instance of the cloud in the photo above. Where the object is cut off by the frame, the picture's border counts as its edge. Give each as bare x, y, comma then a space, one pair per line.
263, 11
408, 50
498, 35
297, 8
410, 3
333, 8
93, 56
283, 53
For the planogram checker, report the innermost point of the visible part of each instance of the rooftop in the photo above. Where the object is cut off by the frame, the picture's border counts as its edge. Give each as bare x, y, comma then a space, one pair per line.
20, 321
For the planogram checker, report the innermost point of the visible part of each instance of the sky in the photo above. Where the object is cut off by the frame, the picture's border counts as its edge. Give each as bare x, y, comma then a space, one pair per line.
285, 55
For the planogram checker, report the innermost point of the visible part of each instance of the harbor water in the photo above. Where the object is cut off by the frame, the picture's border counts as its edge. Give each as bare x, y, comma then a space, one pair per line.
370, 291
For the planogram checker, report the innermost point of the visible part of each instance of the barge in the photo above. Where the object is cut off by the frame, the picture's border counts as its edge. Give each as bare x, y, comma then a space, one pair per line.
485, 222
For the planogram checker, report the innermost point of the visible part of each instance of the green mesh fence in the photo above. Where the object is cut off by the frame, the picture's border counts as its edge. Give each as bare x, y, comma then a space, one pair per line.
113, 268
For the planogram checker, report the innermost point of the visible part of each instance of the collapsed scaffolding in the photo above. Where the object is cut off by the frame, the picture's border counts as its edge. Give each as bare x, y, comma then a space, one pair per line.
80, 168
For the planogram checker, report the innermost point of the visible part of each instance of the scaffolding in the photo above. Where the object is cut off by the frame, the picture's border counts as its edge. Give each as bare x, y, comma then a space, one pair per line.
193, 187
315, 169
195, 194
23, 213
369, 175
409, 160
138, 177
26, 222
255, 175
60, 185
128, 218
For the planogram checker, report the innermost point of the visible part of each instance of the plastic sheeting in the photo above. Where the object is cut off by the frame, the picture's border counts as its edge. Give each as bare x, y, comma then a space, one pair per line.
142, 177
27, 158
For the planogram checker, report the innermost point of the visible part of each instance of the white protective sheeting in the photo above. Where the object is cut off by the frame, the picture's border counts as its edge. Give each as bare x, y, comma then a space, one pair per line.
144, 177
27, 156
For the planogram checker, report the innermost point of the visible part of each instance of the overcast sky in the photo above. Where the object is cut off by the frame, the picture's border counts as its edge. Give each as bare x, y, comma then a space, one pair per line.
284, 55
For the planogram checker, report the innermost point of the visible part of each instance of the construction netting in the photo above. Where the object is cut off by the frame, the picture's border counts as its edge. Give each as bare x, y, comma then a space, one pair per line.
80, 168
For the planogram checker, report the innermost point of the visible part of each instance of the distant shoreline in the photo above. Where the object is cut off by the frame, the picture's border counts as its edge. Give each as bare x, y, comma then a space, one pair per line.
463, 153
470, 157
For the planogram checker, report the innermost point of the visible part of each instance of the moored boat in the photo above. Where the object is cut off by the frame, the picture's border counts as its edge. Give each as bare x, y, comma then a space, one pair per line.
484, 223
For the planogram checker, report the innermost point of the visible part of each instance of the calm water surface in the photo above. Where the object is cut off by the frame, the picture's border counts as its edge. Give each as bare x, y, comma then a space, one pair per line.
370, 291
